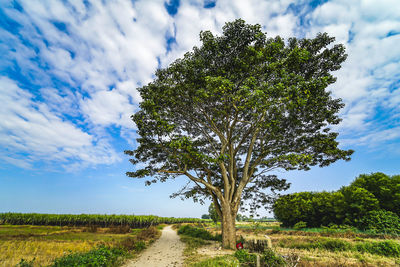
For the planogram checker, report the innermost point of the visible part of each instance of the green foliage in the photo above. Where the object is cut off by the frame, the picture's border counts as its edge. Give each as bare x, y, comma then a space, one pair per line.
192, 243
102, 256
335, 245
131, 243
300, 225
351, 205
226, 261
140, 245
315, 209
240, 104
381, 221
119, 223
330, 244
386, 248
358, 203
198, 233
385, 188
245, 258
269, 258
205, 216
212, 212
26, 263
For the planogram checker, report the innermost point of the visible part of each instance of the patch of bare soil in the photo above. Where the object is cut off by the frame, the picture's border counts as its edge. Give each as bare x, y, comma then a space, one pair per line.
166, 251
213, 250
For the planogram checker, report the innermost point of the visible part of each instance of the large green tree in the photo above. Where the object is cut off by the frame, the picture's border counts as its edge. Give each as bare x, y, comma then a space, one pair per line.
235, 108
385, 188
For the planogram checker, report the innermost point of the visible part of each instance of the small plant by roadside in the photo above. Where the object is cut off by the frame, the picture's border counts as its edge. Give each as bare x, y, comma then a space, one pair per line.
268, 258
148, 233
198, 233
245, 258
101, 256
225, 261
131, 243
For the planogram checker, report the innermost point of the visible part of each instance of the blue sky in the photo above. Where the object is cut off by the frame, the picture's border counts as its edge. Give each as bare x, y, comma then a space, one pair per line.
69, 72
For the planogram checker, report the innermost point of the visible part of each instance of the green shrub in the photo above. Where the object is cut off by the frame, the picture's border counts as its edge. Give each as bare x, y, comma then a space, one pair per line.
369, 192
198, 233
300, 225
226, 261
335, 245
381, 221
386, 248
269, 258
147, 233
140, 246
331, 244
245, 258
102, 256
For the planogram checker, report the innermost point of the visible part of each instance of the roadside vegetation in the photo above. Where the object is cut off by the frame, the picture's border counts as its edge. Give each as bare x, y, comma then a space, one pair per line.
322, 246
357, 235
371, 202
28, 245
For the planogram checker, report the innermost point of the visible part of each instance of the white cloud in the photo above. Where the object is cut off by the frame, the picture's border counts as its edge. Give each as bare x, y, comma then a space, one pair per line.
91, 70
107, 108
367, 80
30, 132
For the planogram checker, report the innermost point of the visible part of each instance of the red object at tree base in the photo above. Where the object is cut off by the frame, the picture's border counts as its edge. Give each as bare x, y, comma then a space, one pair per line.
239, 245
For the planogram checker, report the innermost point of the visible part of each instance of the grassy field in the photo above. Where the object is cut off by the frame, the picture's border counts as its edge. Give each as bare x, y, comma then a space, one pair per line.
43, 244
315, 246
318, 246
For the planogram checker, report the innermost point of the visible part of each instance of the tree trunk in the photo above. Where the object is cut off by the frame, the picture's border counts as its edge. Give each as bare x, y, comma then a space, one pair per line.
228, 222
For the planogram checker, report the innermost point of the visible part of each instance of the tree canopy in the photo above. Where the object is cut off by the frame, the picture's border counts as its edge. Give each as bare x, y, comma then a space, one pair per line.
351, 205
235, 108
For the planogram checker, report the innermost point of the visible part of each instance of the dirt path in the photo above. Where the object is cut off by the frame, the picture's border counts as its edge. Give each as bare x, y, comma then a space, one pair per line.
166, 251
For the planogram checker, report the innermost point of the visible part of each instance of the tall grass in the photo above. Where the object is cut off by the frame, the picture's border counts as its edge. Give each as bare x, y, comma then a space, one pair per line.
133, 221
387, 248
198, 233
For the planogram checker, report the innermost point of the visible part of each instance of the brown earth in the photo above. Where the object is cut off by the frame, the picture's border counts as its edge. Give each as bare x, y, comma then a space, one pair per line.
166, 251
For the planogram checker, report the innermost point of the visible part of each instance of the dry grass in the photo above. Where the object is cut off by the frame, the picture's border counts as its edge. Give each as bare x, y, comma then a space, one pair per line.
45, 243
316, 257
320, 257
43, 251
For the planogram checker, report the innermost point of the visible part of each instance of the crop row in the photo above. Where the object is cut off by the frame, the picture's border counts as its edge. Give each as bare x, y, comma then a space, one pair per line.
134, 221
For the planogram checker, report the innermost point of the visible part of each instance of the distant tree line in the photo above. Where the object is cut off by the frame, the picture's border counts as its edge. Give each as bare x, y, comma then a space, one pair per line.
369, 199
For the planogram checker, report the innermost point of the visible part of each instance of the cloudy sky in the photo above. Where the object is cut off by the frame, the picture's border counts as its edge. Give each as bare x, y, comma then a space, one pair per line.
69, 72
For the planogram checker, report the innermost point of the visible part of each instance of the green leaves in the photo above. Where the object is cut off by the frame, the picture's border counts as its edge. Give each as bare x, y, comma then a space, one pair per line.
351, 204
238, 105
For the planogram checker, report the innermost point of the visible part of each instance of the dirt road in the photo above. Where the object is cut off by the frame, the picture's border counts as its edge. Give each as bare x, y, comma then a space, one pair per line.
166, 251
